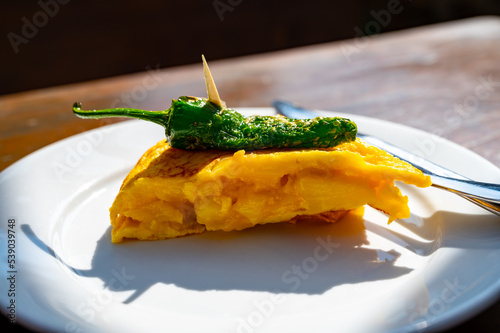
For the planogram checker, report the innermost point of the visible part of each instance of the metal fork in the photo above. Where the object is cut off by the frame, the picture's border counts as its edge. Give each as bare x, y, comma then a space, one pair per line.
485, 195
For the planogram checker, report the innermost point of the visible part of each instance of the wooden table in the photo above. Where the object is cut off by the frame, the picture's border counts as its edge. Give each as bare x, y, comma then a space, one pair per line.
444, 79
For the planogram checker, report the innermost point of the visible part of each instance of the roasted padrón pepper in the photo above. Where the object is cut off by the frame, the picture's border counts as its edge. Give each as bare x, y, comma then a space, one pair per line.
193, 123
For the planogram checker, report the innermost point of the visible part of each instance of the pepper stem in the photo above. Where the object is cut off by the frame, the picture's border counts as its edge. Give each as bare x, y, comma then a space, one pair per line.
158, 117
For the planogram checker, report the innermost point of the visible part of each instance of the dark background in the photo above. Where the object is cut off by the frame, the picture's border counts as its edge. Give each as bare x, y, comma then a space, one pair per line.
53, 42
65, 41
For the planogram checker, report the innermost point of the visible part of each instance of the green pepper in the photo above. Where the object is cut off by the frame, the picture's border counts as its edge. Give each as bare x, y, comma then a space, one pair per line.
194, 123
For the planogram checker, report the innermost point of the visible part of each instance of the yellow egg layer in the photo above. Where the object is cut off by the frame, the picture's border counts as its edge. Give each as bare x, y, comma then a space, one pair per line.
172, 192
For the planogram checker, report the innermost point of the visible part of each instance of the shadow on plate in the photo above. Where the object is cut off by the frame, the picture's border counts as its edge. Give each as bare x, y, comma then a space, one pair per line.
444, 229
303, 258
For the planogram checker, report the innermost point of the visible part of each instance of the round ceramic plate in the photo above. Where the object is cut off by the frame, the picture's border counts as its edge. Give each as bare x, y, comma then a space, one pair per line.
432, 270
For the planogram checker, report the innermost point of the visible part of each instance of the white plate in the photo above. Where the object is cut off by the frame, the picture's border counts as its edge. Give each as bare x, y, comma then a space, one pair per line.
433, 270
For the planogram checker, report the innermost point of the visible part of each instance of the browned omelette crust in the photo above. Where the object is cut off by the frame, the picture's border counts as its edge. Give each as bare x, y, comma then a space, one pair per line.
172, 193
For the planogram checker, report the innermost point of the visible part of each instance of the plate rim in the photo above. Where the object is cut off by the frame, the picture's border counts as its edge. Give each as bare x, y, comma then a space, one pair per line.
478, 307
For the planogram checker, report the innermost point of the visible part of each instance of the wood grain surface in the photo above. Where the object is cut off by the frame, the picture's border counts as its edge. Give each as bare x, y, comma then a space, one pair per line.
443, 79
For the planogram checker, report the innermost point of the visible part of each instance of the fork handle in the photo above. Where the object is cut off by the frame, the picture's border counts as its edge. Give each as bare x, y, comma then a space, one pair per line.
469, 188
489, 206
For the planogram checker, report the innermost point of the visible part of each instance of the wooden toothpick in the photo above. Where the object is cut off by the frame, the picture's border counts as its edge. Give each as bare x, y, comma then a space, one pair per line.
213, 94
